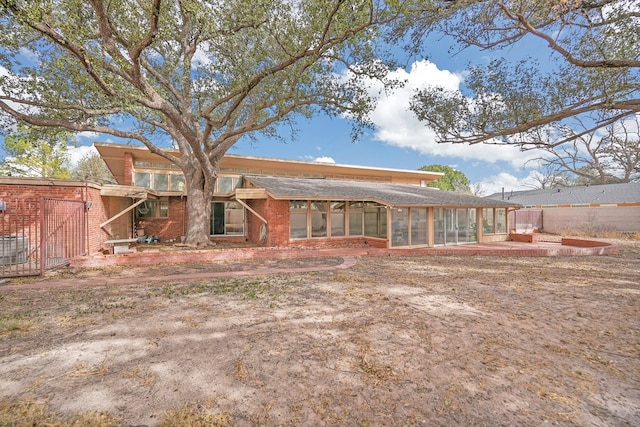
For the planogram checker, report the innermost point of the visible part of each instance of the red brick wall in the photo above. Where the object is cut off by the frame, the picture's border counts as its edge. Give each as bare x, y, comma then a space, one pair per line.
253, 223
128, 169
171, 228
525, 238
64, 190
583, 243
277, 213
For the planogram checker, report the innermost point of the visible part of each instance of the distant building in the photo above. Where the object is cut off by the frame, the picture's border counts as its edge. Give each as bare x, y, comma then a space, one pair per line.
610, 207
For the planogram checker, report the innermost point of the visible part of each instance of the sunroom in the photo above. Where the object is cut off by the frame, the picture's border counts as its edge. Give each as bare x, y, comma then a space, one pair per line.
397, 214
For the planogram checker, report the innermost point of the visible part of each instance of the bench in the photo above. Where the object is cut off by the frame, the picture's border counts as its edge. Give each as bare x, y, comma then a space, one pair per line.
120, 245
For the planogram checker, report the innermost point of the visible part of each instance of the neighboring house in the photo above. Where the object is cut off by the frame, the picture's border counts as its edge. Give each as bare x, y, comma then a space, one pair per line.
269, 202
608, 207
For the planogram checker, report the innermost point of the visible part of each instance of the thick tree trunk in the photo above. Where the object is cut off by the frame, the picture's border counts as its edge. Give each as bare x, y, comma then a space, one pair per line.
199, 194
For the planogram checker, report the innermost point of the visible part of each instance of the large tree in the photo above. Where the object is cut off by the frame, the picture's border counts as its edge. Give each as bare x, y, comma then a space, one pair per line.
37, 152
453, 180
591, 65
92, 167
190, 74
605, 156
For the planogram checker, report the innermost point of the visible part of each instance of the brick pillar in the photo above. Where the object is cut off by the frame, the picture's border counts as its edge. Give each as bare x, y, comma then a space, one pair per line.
128, 169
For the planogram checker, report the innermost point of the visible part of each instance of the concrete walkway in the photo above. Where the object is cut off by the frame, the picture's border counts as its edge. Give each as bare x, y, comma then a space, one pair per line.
348, 255
539, 249
42, 283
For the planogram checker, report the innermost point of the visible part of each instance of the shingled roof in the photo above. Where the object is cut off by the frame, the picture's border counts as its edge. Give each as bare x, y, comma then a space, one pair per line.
587, 194
385, 193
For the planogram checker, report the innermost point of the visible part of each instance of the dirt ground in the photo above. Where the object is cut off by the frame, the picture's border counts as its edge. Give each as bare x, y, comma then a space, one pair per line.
388, 341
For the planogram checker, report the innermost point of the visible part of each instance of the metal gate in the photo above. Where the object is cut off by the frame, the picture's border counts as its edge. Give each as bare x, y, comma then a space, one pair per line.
39, 234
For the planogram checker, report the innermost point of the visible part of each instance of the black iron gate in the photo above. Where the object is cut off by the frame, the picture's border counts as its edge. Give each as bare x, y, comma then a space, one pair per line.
39, 234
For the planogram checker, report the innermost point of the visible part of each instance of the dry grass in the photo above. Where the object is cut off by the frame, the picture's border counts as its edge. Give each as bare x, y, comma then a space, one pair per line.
12, 325
32, 413
600, 234
241, 372
194, 415
145, 377
84, 370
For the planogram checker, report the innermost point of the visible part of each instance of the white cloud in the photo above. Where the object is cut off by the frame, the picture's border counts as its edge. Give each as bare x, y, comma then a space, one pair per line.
396, 125
77, 153
503, 180
324, 159
29, 54
88, 135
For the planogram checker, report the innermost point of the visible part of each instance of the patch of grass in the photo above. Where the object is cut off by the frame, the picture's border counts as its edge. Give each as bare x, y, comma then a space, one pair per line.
376, 372
83, 369
194, 415
146, 378
246, 288
32, 413
241, 372
347, 278
92, 305
11, 324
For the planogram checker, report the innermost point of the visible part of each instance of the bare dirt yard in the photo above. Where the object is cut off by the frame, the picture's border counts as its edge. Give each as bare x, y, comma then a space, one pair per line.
432, 341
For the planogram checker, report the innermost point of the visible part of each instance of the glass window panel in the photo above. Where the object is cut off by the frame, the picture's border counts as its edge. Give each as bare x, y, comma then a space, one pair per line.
400, 227
142, 179
451, 224
318, 211
161, 181
463, 225
177, 183
337, 219
501, 220
147, 209
163, 211
487, 220
298, 219
355, 218
234, 218
418, 226
225, 184
217, 218
375, 220
438, 226
473, 225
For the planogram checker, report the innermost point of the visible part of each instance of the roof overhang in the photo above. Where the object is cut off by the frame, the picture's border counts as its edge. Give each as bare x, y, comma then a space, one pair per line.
111, 190
113, 155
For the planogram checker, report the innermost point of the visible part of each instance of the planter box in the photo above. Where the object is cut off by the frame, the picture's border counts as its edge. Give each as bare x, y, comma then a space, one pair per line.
525, 238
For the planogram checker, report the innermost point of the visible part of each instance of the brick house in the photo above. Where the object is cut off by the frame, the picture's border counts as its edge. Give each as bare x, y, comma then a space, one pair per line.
269, 202
274, 202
